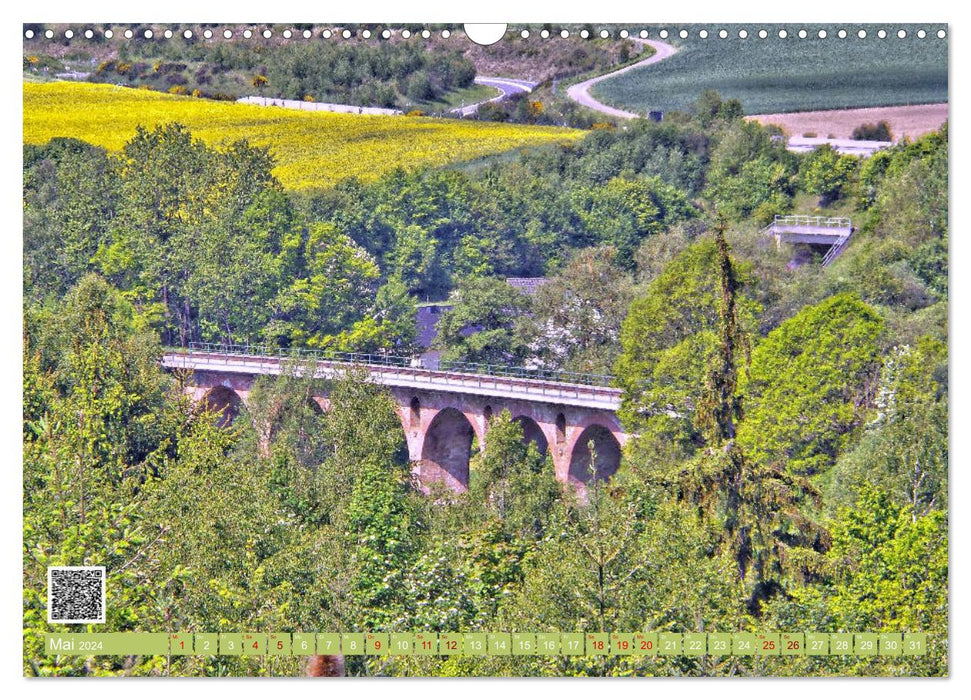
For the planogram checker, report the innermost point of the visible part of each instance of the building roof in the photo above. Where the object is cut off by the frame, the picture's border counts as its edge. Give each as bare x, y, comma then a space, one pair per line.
426, 316
527, 285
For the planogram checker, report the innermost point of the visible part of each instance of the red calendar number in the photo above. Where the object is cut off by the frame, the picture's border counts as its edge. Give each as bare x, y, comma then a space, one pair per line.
645, 644
768, 645
451, 645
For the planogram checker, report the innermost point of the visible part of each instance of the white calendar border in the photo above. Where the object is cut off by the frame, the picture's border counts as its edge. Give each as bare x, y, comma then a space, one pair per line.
701, 11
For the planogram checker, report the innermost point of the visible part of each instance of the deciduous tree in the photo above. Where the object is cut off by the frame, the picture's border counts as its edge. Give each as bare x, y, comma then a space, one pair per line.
810, 384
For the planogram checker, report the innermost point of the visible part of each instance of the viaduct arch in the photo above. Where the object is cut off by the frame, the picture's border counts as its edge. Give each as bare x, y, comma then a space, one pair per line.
446, 450
532, 432
600, 463
224, 401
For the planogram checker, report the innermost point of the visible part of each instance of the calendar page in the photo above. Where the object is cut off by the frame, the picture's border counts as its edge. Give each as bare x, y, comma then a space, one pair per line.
510, 350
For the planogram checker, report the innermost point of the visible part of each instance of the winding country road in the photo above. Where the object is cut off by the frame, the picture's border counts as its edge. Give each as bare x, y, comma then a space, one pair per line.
505, 86
580, 92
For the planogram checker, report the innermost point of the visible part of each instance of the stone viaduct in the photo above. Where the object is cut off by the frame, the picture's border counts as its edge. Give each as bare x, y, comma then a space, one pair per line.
443, 413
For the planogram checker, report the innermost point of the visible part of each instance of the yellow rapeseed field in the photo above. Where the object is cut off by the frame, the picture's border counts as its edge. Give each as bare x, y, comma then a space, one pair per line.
312, 149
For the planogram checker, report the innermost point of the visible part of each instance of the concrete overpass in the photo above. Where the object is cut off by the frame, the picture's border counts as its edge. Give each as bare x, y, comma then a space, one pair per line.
850, 147
442, 412
830, 231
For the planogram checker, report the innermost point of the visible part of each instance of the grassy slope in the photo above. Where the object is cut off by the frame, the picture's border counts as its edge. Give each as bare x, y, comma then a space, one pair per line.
461, 97
791, 74
539, 60
312, 149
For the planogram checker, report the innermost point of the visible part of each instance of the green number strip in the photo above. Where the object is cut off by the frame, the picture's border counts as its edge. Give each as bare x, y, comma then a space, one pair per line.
488, 644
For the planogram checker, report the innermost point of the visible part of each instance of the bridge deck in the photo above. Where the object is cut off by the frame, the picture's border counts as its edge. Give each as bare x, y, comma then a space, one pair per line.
809, 234
536, 390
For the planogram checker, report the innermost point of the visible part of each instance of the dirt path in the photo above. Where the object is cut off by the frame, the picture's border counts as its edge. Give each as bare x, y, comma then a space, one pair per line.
910, 121
580, 92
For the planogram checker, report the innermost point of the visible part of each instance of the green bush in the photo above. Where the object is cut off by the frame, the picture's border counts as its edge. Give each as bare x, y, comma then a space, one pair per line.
873, 132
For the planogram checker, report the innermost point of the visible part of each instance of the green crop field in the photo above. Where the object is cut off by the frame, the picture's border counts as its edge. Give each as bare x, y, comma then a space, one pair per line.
312, 149
791, 74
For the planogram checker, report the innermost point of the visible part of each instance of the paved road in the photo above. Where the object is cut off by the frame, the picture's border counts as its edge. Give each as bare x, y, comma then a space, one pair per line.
505, 86
581, 91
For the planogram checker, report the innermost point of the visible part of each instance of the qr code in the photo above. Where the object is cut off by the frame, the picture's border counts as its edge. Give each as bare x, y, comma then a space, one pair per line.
76, 594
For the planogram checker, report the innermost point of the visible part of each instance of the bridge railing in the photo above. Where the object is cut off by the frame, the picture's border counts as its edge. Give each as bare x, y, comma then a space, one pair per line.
548, 375
816, 221
355, 358
388, 360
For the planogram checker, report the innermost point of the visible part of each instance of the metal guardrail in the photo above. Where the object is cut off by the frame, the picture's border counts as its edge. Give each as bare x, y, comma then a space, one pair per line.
835, 250
819, 221
388, 360
355, 358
